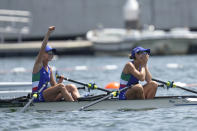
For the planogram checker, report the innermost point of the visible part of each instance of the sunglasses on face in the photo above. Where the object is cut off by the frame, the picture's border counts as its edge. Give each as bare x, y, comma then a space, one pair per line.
50, 53
143, 53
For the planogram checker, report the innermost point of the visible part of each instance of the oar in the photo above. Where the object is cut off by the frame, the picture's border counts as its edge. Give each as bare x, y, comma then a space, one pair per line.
172, 85
185, 84
114, 93
90, 85
32, 99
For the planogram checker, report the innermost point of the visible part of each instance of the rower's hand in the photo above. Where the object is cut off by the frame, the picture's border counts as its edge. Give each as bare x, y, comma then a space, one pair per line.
61, 78
144, 59
51, 28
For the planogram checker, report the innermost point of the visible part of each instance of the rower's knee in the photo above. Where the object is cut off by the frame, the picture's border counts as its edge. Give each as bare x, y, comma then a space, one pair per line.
153, 84
138, 89
71, 87
61, 86
136, 92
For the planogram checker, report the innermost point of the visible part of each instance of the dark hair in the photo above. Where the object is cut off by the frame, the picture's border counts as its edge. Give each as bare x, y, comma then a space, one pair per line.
131, 57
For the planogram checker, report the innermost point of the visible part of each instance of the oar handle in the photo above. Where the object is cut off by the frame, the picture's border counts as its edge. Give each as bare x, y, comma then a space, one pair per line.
77, 82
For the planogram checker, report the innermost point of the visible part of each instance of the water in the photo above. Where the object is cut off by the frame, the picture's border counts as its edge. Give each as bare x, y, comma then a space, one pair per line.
103, 70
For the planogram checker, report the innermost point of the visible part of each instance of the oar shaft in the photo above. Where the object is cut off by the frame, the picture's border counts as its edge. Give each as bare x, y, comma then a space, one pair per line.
187, 89
80, 83
27, 105
99, 100
162, 82
77, 82
176, 86
95, 102
32, 99
104, 90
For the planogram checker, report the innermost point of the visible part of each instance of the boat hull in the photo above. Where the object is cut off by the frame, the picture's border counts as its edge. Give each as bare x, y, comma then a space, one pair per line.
166, 46
112, 104
113, 40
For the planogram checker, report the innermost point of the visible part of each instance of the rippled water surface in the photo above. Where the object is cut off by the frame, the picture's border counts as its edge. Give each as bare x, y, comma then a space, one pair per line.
103, 70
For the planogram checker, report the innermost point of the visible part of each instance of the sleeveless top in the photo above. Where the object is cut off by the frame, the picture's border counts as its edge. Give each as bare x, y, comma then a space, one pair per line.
127, 80
40, 78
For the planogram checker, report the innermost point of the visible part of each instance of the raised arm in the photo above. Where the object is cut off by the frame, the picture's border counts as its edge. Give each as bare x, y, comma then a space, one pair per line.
148, 77
143, 74
140, 75
38, 63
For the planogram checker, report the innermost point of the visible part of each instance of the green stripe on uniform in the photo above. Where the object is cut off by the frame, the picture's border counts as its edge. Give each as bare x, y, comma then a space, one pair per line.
125, 77
36, 77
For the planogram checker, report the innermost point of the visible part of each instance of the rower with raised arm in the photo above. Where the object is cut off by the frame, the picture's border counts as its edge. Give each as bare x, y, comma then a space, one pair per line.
135, 71
42, 74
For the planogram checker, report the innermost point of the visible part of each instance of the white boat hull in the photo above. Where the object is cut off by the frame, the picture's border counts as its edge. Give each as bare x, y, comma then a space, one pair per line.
168, 46
113, 104
110, 40
160, 42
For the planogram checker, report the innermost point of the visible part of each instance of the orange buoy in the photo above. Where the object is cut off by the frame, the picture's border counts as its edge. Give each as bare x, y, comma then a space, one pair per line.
112, 85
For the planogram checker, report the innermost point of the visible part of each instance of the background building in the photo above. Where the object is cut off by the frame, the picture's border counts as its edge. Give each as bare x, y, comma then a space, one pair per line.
76, 17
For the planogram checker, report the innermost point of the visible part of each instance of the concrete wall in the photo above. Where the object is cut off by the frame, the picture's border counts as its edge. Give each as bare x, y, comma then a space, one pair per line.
170, 13
72, 17
69, 16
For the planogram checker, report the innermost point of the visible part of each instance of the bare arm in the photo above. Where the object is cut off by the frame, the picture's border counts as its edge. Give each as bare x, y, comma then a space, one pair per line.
142, 74
148, 77
130, 69
52, 80
38, 63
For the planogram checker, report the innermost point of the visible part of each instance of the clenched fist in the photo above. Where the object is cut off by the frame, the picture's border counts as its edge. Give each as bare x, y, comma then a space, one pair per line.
51, 28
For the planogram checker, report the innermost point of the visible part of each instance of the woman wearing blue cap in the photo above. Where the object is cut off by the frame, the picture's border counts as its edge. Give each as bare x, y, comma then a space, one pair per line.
135, 71
42, 75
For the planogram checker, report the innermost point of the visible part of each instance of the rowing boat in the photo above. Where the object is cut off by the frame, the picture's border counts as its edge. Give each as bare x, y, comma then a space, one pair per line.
109, 104
107, 101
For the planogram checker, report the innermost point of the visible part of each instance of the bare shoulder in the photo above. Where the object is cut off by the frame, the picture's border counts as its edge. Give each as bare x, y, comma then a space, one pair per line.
128, 67
37, 67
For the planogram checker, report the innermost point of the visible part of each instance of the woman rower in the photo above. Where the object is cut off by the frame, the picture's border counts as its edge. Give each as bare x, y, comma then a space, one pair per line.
42, 74
134, 71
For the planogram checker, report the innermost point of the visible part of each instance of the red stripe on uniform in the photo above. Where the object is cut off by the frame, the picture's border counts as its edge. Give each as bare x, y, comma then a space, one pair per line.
121, 85
35, 89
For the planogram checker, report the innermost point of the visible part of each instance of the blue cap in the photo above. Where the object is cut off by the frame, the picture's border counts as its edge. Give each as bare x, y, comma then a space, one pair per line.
138, 49
49, 48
